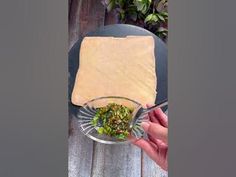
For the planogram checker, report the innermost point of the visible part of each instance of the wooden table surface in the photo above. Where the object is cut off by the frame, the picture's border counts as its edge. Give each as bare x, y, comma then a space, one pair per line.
87, 158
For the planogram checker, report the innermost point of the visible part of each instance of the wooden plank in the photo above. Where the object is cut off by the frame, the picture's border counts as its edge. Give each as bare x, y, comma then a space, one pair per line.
150, 168
85, 16
80, 152
69, 5
74, 12
92, 16
116, 160
111, 18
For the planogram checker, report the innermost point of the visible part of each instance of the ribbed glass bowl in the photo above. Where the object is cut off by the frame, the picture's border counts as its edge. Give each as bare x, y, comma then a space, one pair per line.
86, 114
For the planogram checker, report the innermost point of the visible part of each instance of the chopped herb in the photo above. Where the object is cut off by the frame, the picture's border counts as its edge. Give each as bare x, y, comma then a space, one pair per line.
113, 120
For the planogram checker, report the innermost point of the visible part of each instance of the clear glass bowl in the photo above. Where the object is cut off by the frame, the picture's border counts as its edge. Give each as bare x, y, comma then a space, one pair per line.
87, 111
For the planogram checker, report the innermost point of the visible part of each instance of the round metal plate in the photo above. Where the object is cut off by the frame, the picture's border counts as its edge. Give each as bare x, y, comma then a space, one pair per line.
122, 30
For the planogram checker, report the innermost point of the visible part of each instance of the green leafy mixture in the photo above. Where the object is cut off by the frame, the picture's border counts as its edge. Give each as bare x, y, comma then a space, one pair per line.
113, 120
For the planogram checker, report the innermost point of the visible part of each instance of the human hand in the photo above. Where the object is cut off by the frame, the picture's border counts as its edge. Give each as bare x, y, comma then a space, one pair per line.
156, 146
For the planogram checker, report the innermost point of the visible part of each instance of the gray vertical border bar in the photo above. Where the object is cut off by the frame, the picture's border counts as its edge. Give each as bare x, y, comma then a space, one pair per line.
202, 88
33, 101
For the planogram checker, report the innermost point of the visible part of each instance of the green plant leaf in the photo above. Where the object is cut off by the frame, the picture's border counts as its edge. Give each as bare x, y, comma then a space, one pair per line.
111, 5
120, 3
151, 18
161, 6
148, 18
164, 34
161, 17
122, 16
162, 29
142, 5
131, 12
133, 15
164, 14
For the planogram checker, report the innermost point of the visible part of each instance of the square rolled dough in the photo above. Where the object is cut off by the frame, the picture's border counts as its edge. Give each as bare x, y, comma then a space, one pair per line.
112, 66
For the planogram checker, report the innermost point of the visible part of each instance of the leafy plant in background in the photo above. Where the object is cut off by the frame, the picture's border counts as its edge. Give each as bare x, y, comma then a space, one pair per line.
149, 14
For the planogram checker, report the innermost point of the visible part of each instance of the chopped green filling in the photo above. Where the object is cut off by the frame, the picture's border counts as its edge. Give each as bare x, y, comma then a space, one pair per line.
113, 120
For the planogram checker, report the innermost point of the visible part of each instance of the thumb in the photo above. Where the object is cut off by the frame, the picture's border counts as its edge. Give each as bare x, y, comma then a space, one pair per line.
155, 130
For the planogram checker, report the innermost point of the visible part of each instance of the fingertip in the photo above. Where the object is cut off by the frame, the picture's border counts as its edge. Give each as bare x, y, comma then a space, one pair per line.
162, 117
158, 112
140, 143
145, 126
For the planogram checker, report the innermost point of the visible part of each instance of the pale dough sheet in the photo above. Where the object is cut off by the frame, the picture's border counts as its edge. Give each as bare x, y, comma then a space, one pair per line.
116, 67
